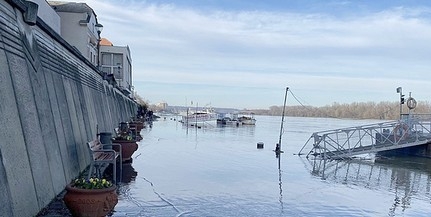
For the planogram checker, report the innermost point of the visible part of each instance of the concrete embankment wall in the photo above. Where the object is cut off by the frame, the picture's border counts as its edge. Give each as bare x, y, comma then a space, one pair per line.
51, 100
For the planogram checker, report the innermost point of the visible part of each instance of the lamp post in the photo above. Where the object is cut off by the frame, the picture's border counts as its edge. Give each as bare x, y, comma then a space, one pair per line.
400, 91
99, 28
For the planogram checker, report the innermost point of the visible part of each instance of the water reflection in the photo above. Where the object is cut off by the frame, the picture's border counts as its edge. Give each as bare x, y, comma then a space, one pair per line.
407, 178
241, 129
220, 172
129, 173
280, 182
277, 152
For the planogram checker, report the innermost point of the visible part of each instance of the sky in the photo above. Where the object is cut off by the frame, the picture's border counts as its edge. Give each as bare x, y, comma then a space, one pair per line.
243, 54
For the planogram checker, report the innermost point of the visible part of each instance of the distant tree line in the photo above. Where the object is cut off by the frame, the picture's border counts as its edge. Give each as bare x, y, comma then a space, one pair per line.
356, 110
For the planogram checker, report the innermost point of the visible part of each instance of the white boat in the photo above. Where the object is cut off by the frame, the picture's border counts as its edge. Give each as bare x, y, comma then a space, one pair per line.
200, 118
228, 119
247, 119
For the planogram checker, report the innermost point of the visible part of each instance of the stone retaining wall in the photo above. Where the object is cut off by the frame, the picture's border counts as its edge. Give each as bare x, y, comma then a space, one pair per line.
51, 100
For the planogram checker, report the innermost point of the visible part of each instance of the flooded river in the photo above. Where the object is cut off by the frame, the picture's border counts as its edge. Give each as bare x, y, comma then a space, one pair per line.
218, 171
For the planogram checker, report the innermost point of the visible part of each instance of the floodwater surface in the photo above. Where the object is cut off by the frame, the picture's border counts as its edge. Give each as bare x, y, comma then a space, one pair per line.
218, 171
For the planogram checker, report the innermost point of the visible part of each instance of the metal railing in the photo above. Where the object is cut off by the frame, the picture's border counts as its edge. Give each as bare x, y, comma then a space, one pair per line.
349, 142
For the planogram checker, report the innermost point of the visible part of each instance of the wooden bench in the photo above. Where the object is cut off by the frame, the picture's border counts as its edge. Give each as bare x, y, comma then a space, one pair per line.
102, 155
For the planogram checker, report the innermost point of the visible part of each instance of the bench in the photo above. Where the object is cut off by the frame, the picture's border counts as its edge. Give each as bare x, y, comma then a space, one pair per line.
102, 155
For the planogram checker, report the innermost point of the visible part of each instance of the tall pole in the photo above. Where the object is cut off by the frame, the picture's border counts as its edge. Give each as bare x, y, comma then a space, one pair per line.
196, 124
400, 91
99, 28
401, 104
98, 53
282, 119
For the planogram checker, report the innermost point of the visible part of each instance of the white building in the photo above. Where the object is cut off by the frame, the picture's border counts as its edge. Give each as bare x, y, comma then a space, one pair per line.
117, 61
162, 105
79, 27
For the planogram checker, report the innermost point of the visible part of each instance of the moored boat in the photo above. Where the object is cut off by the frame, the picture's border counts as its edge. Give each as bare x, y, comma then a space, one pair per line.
247, 119
200, 118
228, 119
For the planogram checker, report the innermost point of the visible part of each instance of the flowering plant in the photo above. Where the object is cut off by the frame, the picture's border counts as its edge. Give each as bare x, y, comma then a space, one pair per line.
128, 138
123, 134
92, 183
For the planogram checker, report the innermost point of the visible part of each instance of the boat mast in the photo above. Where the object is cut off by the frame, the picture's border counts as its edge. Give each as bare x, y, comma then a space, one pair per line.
282, 121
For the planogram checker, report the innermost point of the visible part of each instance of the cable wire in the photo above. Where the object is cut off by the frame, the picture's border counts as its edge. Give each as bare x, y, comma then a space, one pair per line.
312, 109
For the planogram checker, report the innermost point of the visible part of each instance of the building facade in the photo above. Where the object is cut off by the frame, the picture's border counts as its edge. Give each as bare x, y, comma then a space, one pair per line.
78, 27
117, 61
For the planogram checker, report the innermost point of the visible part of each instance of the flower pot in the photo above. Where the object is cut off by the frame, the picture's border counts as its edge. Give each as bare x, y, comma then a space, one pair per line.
135, 135
128, 147
90, 202
137, 125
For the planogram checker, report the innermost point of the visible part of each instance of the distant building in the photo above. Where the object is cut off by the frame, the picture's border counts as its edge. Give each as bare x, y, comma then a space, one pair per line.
117, 61
79, 27
162, 105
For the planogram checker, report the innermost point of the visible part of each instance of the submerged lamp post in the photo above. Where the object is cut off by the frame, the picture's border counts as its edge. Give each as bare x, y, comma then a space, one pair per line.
400, 91
278, 145
99, 28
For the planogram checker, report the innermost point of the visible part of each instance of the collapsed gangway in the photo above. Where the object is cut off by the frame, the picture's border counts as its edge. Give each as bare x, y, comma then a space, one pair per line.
411, 130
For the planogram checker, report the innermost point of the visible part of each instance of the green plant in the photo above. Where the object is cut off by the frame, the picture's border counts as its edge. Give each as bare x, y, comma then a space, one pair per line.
123, 132
92, 183
123, 137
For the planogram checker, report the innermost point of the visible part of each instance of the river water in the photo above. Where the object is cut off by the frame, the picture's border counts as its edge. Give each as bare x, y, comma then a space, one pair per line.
218, 171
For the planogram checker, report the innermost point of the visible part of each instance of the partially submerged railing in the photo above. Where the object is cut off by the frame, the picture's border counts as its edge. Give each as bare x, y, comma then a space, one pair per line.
349, 142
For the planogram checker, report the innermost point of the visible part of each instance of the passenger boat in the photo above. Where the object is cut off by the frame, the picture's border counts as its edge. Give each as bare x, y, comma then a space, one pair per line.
200, 118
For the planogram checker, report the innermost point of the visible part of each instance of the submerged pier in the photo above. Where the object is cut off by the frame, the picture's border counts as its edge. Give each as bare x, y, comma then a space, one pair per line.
346, 143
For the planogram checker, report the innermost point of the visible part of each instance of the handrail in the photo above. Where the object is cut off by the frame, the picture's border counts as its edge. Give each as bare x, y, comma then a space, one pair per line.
371, 138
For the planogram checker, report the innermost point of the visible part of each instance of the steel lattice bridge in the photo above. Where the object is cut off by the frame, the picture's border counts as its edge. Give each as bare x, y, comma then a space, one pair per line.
346, 143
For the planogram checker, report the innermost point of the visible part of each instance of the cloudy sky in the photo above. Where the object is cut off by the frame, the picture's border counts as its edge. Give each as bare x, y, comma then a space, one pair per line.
243, 54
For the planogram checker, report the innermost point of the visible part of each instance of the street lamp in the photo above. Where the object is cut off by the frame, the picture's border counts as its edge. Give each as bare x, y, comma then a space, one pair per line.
400, 91
99, 28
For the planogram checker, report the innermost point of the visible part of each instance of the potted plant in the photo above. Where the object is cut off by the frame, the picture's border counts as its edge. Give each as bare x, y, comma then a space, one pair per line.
137, 124
135, 131
90, 197
125, 139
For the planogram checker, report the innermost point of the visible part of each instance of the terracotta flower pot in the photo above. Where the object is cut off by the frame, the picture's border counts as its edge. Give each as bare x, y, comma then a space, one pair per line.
128, 147
138, 125
90, 202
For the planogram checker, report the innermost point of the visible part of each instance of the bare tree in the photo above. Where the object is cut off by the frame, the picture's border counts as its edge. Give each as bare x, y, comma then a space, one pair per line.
356, 110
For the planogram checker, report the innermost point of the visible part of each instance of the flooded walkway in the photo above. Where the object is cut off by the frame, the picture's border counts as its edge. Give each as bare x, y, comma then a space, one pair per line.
220, 172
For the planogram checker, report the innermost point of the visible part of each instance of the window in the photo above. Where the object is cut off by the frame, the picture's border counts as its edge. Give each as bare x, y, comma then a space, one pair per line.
106, 59
113, 64
106, 70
